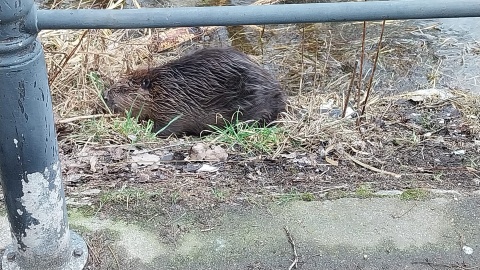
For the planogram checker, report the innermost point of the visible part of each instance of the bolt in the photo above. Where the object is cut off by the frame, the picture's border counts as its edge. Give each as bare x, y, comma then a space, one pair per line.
77, 252
11, 256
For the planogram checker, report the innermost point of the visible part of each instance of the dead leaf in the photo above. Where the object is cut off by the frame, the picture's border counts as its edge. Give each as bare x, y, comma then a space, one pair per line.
421, 95
207, 168
145, 159
217, 153
93, 163
331, 161
201, 151
197, 152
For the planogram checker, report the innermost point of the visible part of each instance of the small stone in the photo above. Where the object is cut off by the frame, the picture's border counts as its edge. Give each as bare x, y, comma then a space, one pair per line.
77, 252
145, 159
216, 153
388, 193
207, 168
167, 157
191, 167
468, 250
11, 256
476, 181
132, 137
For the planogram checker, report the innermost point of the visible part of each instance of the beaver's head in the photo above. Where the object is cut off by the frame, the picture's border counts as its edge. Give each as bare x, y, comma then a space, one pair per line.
131, 95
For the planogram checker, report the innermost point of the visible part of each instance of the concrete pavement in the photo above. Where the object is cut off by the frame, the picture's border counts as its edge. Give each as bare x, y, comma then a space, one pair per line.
348, 233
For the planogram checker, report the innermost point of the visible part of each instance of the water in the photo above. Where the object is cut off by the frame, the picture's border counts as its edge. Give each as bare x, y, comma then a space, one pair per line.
460, 51
443, 53
416, 54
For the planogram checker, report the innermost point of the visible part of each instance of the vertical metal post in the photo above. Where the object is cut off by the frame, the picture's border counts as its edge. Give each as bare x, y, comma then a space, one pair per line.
29, 165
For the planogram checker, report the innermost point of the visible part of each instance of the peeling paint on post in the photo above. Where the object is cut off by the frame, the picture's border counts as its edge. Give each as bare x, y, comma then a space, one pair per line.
30, 171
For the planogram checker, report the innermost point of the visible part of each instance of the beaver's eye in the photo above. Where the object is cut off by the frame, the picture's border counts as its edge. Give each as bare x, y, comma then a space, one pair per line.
146, 84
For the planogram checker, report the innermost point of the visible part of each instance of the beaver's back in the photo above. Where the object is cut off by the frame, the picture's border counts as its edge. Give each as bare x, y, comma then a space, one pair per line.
209, 84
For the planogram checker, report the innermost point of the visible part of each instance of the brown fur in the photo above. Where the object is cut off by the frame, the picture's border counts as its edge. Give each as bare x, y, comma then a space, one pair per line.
199, 87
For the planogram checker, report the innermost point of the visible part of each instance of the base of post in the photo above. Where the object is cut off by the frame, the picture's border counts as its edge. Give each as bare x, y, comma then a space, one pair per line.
77, 261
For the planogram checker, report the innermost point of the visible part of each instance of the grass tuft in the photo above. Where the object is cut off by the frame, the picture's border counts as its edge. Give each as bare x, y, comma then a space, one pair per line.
133, 129
295, 196
364, 191
416, 194
127, 196
249, 136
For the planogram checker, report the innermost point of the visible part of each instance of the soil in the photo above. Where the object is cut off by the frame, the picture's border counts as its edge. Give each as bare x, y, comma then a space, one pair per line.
403, 145
432, 147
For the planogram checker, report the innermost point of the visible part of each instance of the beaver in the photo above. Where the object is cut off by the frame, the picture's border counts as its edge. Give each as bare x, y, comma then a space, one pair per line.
207, 87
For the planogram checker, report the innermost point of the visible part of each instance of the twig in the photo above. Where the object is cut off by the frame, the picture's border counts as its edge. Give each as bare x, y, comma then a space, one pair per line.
370, 82
92, 252
266, 2
404, 213
302, 64
360, 73
347, 98
453, 265
84, 117
65, 60
371, 167
294, 248
330, 189
114, 257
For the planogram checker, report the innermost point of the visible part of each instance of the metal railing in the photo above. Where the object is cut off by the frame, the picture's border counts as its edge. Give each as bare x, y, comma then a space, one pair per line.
29, 163
268, 14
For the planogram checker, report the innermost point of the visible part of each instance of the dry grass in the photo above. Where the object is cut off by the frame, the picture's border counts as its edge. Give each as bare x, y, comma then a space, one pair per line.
83, 63
313, 63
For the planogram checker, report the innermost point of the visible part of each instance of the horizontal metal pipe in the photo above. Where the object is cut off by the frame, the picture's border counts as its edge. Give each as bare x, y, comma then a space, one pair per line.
248, 15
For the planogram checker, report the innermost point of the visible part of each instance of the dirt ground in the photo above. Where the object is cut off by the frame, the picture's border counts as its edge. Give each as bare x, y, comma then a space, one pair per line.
409, 145
432, 144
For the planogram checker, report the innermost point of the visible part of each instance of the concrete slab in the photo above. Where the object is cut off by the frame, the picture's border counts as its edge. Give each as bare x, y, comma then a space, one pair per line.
348, 233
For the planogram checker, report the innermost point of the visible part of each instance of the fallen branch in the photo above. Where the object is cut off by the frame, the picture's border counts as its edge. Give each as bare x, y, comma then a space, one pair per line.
83, 117
358, 162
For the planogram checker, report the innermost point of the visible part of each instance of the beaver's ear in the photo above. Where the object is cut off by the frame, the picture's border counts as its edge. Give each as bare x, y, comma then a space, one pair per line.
146, 84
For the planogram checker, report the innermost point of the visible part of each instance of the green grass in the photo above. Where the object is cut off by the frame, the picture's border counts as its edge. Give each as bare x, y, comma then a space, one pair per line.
220, 194
129, 196
364, 191
415, 194
133, 129
175, 198
93, 130
130, 126
104, 129
336, 194
97, 82
249, 137
427, 121
295, 196
136, 131
83, 210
